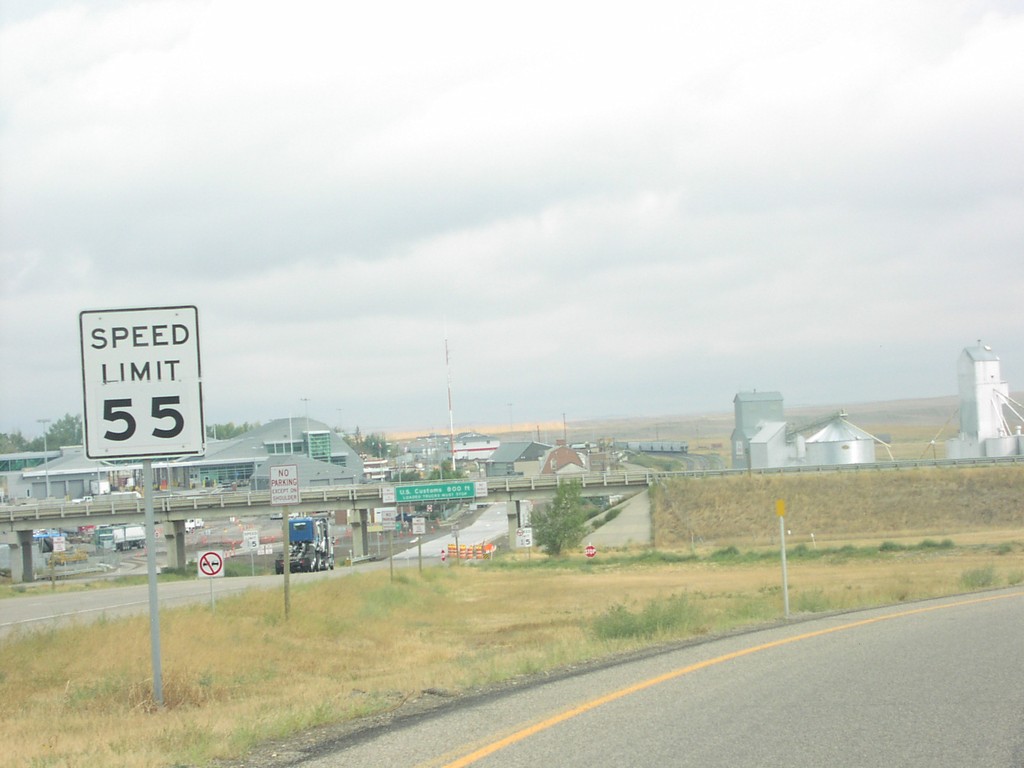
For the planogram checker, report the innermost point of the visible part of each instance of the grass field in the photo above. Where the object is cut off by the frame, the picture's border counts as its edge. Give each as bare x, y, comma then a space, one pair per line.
838, 506
364, 645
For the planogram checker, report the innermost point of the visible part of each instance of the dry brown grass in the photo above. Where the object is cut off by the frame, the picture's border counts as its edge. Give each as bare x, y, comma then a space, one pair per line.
363, 644
839, 506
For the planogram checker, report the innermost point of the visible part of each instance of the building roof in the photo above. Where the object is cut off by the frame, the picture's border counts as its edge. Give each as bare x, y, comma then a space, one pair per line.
71, 461
755, 396
839, 431
518, 451
310, 471
246, 448
473, 437
767, 431
559, 458
981, 354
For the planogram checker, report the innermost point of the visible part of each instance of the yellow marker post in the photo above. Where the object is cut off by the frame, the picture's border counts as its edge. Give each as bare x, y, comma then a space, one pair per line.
780, 510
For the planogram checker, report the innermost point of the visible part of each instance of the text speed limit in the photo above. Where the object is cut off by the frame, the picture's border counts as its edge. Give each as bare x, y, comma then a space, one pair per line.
142, 383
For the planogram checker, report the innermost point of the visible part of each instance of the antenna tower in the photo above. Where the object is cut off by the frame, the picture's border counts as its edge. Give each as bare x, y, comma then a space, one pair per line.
451, 416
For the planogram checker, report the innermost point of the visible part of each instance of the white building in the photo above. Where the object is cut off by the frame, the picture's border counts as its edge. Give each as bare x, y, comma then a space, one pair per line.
986, 409
763, 439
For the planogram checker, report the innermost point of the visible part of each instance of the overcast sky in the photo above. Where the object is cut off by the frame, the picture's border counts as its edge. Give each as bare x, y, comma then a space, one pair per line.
605, 209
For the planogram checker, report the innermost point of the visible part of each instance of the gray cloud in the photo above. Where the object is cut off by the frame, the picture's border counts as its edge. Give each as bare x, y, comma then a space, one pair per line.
638, 212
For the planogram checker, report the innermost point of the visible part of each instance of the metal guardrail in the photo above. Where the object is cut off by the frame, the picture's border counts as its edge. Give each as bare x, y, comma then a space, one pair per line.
184, 506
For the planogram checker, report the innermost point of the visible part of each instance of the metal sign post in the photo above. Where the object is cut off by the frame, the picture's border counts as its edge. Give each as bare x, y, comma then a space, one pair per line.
419, 528
780, 510
143, 397
154, 600
387, 517
391, 552
524, 540
284, 490
286, 561
252, 543
210, 565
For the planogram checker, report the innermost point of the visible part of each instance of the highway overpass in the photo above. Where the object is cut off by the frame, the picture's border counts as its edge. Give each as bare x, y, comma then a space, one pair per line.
17, 521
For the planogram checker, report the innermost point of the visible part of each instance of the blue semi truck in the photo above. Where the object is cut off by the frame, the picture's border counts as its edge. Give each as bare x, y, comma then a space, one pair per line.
311, 546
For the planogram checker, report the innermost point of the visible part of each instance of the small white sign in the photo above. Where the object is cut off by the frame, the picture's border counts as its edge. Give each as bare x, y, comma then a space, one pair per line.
251, 540
386, 515
419, 526
387, 494
60, 544
210, 564
284, 485
524, 538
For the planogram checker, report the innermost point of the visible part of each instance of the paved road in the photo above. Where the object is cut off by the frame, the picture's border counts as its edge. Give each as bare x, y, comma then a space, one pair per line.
631, 526
40, 607
939, 683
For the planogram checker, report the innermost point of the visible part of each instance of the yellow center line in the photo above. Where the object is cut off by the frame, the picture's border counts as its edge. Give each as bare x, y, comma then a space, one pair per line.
587, 706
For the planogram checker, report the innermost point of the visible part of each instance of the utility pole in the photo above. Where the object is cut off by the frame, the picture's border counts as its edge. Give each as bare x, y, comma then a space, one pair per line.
46, 458
451, 413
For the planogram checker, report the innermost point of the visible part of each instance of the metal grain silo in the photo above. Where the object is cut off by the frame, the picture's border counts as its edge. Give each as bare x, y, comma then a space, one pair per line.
840, 442
752, 410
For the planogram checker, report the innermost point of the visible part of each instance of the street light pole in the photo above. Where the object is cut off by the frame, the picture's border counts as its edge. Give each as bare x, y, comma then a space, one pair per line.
46, 457
305, 401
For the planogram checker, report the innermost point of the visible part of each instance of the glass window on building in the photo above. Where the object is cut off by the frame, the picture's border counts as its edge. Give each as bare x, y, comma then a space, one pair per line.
319, 445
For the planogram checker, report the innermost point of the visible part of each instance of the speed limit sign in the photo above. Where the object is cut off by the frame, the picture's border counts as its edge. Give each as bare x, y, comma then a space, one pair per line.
142, 382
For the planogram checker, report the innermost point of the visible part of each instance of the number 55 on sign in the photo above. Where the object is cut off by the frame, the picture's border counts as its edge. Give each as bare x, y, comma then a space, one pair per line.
142, 382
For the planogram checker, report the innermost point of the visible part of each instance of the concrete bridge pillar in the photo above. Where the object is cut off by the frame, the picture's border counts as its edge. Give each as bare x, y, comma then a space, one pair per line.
22, 547
174, 533
357, 520
513, 510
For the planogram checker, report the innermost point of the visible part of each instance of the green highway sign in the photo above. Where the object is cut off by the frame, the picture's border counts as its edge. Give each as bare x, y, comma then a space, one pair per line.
410, 494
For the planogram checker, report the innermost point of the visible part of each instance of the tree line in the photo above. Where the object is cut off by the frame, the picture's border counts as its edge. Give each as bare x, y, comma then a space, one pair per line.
67, 430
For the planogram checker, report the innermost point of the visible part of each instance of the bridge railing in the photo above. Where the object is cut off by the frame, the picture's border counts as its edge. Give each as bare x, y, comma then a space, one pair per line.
185, 505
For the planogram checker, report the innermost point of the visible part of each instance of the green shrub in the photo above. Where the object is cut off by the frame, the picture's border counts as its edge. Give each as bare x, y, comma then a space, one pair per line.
978, 578
671, 616
727, 553
811, 601
932, 544
803, 552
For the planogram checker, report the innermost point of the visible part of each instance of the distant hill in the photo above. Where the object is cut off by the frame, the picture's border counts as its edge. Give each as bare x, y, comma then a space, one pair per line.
933, 411
914, 423
910, 425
